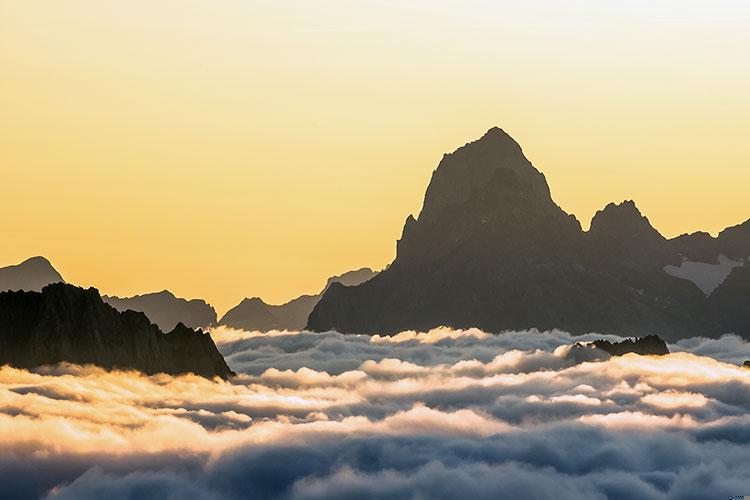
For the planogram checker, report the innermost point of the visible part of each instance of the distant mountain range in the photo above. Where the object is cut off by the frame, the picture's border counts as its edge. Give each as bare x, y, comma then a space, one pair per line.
166, 310
491, 249
67, 323
162, 308
30, 275
254, 314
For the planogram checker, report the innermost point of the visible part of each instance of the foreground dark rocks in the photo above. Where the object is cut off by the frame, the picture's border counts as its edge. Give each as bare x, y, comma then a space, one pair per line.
67, 323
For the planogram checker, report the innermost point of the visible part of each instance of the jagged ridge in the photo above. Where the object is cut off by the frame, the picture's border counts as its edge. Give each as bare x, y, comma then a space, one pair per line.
67, 323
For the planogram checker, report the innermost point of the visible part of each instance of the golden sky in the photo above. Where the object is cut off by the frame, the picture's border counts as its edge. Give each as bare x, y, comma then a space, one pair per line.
228, 148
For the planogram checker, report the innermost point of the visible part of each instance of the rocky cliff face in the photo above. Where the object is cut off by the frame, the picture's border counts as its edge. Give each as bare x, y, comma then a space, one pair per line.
166, 310
255, 315
491, 249
67, 323
29, 275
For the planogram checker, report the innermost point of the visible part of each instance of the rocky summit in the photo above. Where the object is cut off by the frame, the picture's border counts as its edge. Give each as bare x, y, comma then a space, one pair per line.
67, 323
491, 249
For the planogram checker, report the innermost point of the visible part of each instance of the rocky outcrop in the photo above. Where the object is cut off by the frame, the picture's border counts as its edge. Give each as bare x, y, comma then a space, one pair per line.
30, 275
252, 314
491, 249
166, 311
67, 323
651, 345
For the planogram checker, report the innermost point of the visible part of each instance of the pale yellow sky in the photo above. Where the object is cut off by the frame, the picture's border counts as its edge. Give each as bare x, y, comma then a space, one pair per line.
230, 148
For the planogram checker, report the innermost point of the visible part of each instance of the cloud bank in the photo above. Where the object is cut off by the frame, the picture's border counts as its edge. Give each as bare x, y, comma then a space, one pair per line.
442, 414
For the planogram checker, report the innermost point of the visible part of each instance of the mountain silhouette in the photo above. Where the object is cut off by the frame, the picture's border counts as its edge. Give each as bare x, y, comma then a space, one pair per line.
491, 249
165, 310
252, 314
30, 275
67, 323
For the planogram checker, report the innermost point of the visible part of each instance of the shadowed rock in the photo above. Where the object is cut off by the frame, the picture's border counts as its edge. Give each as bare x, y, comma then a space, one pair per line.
67, 323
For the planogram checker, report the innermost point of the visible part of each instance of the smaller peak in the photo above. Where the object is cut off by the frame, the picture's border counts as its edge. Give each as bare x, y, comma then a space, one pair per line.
37, 259
623, 220
253, 300
495, 130
183, 330
625, 206
624, 211
37, 262
497, 135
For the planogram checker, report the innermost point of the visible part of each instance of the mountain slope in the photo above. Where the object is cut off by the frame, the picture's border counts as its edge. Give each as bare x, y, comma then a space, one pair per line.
67, 323
491, 249
166, 311
30, 275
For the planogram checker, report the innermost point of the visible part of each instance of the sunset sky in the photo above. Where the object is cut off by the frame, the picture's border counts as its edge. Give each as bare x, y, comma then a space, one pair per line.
226, 149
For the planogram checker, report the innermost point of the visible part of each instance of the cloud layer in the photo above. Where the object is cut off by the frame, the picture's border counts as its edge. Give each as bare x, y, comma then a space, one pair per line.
443, 414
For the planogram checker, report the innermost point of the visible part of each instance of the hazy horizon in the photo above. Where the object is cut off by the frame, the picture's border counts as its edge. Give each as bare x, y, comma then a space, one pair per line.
230, 149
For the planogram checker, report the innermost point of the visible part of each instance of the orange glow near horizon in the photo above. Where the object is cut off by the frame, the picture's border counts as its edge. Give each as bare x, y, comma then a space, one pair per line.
230, 149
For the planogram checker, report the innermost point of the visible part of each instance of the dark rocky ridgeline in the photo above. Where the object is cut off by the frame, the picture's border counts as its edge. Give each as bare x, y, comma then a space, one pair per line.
733, 243
166, 310
30, 275
67, 323
650, 345
491, 249
254, 314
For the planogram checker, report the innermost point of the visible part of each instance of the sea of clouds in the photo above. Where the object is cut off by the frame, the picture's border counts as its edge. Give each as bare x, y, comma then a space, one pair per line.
442, 414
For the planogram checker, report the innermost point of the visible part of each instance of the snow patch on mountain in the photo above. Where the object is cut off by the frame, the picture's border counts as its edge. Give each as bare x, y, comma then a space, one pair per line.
706, 276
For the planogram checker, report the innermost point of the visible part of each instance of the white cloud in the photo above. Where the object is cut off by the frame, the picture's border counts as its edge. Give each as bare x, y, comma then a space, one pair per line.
439, 414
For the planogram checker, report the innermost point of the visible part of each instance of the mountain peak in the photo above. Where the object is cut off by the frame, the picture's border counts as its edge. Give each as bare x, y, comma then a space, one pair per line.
485, 190
31, 275
499, 137
37, 260
623, 221
491, 249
